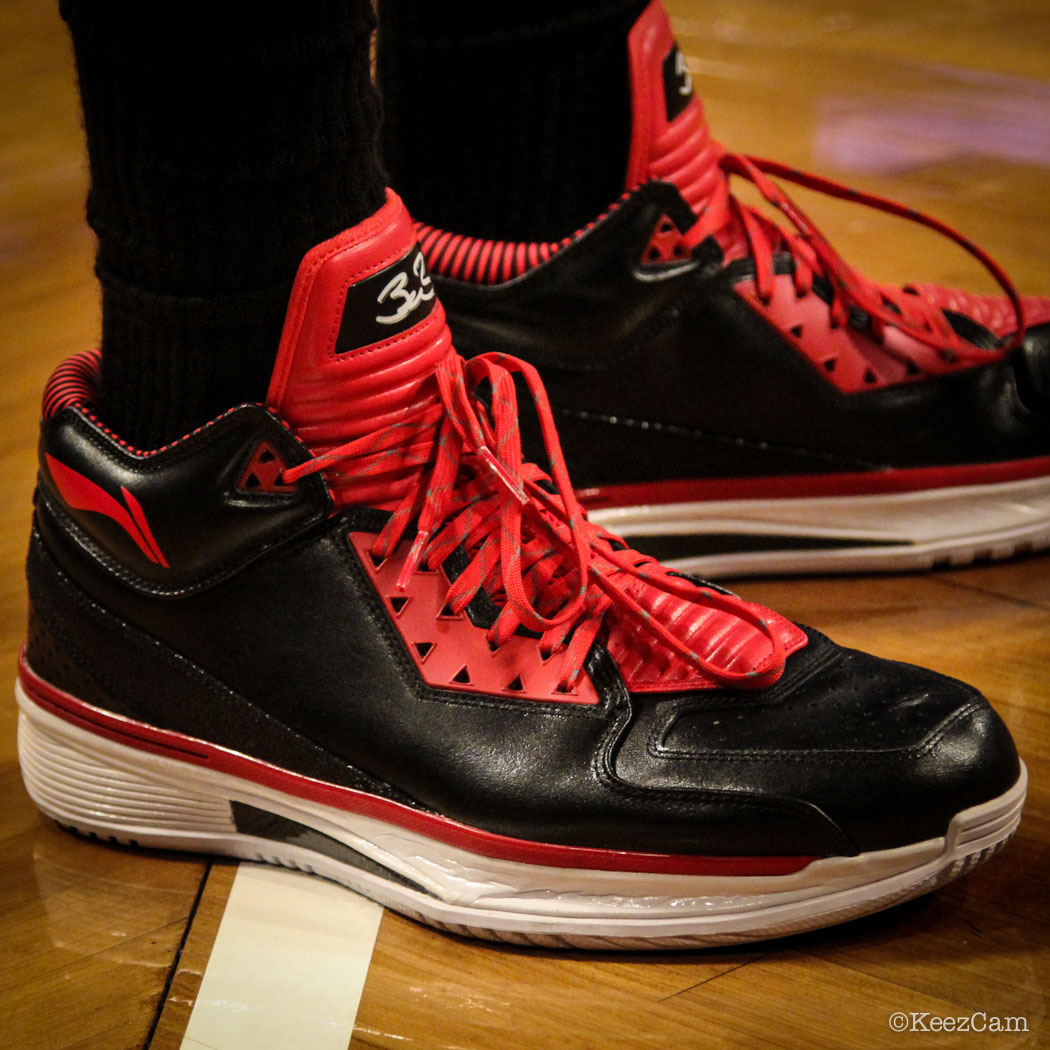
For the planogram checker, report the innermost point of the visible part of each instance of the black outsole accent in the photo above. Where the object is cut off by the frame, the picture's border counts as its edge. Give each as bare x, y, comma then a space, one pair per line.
260, 824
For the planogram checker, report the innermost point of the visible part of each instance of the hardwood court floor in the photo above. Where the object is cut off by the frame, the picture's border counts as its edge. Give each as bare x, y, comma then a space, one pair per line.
943, 104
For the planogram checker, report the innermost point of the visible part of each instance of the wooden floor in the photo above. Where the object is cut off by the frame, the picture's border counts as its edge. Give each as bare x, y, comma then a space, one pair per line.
943, 104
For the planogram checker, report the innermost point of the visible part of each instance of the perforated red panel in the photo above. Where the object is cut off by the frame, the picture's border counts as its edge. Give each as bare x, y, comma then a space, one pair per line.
450, 652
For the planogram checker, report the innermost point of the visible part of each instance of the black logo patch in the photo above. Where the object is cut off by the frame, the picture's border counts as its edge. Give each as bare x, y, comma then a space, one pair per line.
388, 302
678, 83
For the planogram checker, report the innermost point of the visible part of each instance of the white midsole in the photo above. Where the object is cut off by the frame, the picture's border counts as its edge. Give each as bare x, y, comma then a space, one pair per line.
103, 787
898, 530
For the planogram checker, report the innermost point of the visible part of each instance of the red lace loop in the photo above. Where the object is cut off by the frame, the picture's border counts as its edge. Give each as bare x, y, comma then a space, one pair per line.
545, 566
886, 307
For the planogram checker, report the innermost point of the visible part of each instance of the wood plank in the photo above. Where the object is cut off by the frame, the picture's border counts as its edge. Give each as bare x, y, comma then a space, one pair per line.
792, 999
193, 959
432, 989
76, 882
105, 997
1022, 580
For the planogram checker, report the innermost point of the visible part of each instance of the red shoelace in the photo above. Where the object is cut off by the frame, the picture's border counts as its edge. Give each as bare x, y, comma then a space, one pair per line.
886, 307
531, 547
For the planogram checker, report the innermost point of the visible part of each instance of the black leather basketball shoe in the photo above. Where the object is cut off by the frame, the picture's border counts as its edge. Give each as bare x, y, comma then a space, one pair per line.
733, 397
351, 631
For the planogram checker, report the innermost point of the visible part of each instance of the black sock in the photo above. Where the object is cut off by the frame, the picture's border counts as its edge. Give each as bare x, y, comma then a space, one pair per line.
506, 120
224, 142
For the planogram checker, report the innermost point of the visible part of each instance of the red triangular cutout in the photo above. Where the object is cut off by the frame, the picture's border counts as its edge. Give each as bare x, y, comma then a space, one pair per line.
665, 245
264, 470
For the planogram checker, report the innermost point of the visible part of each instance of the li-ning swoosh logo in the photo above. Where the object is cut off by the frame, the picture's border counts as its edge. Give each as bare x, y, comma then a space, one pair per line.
82, 493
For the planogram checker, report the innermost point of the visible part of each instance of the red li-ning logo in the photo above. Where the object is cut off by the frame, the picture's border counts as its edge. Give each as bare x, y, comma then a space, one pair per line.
82, 493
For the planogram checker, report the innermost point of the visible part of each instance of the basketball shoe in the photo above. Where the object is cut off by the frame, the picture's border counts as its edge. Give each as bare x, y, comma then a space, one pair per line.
352, 631
732, 396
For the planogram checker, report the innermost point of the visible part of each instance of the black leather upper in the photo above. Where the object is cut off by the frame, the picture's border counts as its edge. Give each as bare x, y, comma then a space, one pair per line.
205, 522
288, 655
665, 372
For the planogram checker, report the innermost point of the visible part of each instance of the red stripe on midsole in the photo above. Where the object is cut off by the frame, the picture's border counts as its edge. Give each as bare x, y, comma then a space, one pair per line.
484, 843
867, 483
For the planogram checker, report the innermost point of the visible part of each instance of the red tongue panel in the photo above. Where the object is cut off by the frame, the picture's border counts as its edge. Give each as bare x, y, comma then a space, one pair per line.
728, 642
670, 139
362, 338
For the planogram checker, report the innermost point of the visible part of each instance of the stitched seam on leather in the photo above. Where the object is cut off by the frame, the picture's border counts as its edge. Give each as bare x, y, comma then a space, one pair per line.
770, 698
93, 548
685, 800
210, 685
298, 306
844, 757
144, 461
337, 318
383, 344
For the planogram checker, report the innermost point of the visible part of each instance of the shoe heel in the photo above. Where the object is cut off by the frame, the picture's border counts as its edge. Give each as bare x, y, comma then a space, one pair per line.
104, 789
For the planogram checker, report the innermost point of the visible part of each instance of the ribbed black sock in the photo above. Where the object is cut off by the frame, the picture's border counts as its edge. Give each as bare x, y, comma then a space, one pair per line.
506, 120
224, 140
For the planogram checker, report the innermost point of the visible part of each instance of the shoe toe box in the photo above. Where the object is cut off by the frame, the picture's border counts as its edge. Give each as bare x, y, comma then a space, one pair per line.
885, 753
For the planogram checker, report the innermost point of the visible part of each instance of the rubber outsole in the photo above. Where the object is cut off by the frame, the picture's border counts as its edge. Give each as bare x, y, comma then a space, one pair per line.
104, 788
884, 532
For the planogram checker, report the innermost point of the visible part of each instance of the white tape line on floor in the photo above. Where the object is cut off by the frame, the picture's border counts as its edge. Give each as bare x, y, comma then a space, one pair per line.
287, 967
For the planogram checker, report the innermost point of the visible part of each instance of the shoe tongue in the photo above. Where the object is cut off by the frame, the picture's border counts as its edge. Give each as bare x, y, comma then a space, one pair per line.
720, 637
362, 337
670, 139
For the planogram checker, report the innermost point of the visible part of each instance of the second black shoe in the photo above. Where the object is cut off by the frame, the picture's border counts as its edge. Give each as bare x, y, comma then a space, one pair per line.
733, 397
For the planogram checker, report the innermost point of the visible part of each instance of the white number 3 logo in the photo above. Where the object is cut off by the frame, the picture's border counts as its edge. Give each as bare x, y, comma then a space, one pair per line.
397, 291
